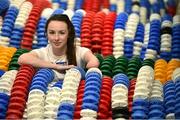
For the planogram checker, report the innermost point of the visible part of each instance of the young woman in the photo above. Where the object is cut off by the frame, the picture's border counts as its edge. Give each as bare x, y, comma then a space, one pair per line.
61, 48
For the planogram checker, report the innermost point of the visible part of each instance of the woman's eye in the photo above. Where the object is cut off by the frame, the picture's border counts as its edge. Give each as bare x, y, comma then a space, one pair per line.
61, 32
51, 32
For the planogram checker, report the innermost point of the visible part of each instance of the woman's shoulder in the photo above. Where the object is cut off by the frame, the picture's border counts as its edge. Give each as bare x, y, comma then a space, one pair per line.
41, 51
79, 48
42, 48
81, 51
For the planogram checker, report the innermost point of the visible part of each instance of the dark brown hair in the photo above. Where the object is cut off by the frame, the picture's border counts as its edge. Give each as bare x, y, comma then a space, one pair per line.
71, 48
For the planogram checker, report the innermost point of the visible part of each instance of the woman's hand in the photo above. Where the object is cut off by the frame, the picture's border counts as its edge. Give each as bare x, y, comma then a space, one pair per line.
62, 68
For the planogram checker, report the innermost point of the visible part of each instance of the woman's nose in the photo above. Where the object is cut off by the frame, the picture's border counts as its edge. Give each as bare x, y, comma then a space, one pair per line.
56, 36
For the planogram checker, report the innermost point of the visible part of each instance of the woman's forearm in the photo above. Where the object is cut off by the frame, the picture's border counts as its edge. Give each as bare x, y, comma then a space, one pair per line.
91, 60
92, 63
35, 61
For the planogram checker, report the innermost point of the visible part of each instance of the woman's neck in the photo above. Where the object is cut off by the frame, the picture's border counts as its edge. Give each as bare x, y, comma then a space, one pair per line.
59, 52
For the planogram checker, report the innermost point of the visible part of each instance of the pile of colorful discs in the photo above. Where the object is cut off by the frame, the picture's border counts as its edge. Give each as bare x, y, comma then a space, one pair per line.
133, 67
19, 92
120, 65
148, 62
105, 98
107, 65
91, 93
119, 97
13, 65
169, 99
79, 101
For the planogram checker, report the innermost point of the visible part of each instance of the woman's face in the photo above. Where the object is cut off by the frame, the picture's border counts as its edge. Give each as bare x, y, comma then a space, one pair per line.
57, 34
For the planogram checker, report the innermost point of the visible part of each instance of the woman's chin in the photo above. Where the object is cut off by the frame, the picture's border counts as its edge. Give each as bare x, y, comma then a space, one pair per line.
57, 46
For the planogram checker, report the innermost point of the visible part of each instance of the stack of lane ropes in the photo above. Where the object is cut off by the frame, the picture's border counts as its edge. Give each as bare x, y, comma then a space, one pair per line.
137, 43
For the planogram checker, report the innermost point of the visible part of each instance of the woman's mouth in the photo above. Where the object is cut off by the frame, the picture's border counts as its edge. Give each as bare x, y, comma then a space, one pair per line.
57, 43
